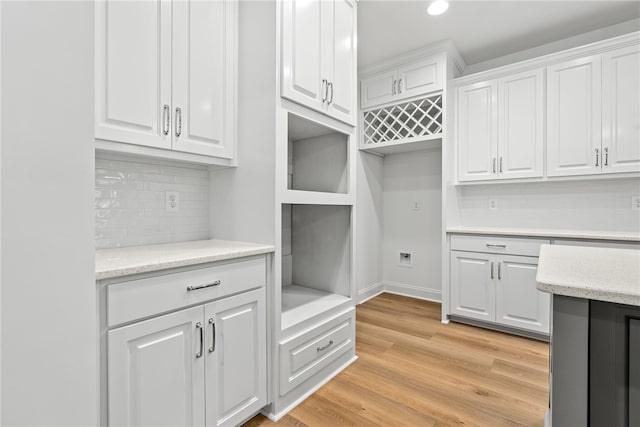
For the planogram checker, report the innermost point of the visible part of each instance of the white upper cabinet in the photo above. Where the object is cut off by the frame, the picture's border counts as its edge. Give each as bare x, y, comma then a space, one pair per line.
319, 55
477, 131
133, 72
403, 82
573, 117
621, 110
520, 125
500, 128
165, 74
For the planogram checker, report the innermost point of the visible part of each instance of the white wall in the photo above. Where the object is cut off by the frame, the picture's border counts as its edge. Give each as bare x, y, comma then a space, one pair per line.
49, 338
409, 177
243, 198
602, 205
130, 201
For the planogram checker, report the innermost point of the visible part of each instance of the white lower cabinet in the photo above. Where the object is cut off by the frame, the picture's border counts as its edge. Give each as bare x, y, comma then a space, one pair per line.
498, 287
200, 366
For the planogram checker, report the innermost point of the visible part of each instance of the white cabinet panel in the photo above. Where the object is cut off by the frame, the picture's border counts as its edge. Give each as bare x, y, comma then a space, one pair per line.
301, 52
133, 71
421, 77
342, 76
472, 290
155, 375
520, 125
236, 358
573, 117
202, 72
477, 131
621, 110
518, 302
379, 89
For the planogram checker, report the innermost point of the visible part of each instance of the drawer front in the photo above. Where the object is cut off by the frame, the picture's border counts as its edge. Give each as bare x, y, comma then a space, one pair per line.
304, 355
498, 245
135, 299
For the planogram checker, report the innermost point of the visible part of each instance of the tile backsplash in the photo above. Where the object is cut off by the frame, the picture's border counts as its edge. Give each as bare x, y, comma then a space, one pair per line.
130, 201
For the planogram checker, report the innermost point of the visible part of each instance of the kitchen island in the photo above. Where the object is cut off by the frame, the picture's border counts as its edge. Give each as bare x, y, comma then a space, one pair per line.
595, 334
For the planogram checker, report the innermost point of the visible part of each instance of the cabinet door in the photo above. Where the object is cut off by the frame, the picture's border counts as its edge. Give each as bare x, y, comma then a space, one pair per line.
421, 77
472, 285
518, 302
621, 110
204, 76
341, 59
573, 118
520, 126
302, 53
379, 89
133, 72
236, 358
477, 131
155, 375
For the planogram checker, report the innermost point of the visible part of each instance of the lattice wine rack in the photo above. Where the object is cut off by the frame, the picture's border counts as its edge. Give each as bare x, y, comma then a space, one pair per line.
408, 121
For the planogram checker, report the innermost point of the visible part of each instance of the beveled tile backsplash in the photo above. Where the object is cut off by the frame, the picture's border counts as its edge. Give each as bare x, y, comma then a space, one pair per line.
130, 201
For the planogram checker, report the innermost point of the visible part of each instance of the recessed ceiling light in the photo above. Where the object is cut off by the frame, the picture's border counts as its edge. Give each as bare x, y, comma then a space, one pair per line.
438, 7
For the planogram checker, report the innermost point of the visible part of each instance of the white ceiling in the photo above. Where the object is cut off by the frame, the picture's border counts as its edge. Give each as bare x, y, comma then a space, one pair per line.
481, 30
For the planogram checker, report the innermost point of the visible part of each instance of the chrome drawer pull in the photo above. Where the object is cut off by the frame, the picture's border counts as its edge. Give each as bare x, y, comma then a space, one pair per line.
493, 245
208, 285
326, 346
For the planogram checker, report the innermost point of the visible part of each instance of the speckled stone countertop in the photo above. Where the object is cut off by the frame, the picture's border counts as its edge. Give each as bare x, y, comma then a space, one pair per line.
119, 262
602, 274
552, 233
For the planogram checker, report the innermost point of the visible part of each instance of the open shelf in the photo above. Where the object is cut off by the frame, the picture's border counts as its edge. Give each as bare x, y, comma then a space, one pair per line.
300, 303
316, 260
317, 157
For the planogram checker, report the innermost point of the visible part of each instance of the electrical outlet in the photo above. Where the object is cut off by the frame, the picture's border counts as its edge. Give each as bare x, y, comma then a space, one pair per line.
171, 201
493, 204
635, 203
415, 205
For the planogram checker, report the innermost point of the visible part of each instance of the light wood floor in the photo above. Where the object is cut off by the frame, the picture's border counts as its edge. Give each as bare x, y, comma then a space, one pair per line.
415, 371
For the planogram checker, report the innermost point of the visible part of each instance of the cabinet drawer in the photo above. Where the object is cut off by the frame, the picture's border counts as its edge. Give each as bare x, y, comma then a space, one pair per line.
304, 355
498, 245
135, 299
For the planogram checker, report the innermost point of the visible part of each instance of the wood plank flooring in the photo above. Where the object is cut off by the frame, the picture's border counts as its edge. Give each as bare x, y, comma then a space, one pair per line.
415, 371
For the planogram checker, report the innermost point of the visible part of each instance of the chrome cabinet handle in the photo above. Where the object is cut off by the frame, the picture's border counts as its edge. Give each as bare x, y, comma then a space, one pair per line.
492, 269
606, 156
325, 89
500, 270
495, 245
597, 156
208, 285
213, 336
325, 347
494, 165
500, 164
178, 121
199, 327
400, 86
393, 87
331, 99
166, 119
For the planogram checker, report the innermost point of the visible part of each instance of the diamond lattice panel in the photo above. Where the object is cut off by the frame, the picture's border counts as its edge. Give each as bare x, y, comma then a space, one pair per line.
420, 117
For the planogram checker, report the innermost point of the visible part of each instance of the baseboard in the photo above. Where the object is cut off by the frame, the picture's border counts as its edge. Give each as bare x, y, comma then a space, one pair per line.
275, 417
413, 291
370, 292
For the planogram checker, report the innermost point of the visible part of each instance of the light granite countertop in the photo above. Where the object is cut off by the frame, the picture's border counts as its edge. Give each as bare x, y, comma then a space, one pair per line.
627, 236
602, 274
119, 262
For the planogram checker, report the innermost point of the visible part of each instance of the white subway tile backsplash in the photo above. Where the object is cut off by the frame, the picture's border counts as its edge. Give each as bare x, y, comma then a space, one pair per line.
130, 201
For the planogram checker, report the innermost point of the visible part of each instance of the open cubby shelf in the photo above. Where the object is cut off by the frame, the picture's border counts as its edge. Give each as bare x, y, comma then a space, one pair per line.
300, 303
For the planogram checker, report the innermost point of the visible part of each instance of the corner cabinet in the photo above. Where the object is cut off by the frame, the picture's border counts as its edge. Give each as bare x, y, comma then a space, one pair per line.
319, 56
166, 75
196, 366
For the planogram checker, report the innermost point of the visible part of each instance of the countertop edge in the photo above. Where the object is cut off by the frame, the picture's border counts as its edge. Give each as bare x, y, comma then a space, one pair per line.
584, 235
589, 293
183, 262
